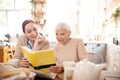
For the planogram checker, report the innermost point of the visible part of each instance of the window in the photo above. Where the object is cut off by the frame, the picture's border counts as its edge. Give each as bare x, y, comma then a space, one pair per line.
13, 13
84, 18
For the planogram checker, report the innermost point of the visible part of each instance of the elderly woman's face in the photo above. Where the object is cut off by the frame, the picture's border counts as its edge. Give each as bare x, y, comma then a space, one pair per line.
62, 36
31, 31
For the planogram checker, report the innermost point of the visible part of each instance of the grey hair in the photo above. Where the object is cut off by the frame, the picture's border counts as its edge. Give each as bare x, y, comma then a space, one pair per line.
62, 26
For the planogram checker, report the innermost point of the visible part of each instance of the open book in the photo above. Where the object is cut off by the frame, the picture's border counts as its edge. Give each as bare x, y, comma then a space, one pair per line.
40, 60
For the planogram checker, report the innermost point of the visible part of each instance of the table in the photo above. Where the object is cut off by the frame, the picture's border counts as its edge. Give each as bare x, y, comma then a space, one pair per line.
4, 53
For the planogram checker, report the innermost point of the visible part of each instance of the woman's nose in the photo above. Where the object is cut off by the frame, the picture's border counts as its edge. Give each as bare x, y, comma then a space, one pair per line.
58, 37
34, 33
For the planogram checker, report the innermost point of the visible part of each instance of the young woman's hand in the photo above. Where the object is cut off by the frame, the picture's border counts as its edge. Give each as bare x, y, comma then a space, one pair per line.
56, 69
38, 41
24, 62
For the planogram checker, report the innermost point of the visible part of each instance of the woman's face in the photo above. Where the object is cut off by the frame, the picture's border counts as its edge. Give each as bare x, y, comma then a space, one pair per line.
31, 31
62, 36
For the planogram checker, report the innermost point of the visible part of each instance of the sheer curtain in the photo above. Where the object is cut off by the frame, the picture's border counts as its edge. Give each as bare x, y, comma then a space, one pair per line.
84, 16
13, 13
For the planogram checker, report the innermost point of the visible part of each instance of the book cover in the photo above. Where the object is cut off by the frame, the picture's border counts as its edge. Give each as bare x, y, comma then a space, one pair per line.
40, 60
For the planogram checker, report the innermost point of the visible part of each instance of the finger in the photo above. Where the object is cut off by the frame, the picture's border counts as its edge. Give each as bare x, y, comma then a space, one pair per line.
26, 64
24, 58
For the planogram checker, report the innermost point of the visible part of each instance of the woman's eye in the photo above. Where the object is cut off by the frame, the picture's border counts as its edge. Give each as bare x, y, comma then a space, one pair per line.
29, 31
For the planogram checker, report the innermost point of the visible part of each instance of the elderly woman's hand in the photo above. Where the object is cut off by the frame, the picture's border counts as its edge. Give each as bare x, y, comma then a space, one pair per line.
56, 69
24, 62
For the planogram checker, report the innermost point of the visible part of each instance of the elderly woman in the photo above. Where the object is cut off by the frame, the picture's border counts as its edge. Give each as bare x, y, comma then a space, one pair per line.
32, 40
67, 48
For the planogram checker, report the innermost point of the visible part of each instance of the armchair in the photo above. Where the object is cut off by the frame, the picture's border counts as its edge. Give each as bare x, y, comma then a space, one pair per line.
112, 71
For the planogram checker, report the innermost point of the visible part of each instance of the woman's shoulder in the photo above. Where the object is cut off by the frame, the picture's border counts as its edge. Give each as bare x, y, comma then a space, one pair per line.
22, 38
76, 39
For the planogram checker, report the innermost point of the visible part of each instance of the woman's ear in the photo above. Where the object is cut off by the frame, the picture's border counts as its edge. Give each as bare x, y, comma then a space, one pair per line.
69, 33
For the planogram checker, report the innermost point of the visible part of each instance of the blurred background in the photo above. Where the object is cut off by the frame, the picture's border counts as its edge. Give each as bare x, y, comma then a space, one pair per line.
89, 19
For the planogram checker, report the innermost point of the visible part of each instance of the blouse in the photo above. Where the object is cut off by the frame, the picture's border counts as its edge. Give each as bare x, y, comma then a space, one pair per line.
23, 41
73, 50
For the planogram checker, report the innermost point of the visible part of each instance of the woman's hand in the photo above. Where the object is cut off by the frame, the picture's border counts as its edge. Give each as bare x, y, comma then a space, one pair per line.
38, 41
24, 62
56, 69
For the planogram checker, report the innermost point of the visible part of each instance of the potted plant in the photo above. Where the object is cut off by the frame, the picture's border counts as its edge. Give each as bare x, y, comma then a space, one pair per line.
116, 17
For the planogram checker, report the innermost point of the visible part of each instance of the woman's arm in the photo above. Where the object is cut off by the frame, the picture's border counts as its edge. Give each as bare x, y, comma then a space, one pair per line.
22, 41
19, 59
81, 50
41, 44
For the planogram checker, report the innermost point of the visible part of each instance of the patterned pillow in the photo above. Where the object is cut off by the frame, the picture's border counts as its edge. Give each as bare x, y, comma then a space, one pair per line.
113, 58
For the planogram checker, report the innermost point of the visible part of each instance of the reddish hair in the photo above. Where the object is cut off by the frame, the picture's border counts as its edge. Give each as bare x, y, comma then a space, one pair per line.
25, 23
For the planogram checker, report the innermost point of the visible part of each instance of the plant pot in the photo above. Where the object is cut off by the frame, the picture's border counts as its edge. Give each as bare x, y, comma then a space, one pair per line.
115, 41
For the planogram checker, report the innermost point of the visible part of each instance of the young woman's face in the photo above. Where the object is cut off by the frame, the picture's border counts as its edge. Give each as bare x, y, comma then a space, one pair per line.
31, 31
62, 36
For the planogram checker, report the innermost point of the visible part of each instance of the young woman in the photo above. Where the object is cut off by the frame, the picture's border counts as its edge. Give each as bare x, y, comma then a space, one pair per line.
31, 39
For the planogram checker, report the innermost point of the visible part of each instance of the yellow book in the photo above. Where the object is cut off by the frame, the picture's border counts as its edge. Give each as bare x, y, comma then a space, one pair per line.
40, 60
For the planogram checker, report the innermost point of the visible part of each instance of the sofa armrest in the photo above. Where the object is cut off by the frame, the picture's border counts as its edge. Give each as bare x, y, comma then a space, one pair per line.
104, 75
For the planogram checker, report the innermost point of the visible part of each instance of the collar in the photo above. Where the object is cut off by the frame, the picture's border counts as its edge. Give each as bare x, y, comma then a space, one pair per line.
29, 44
